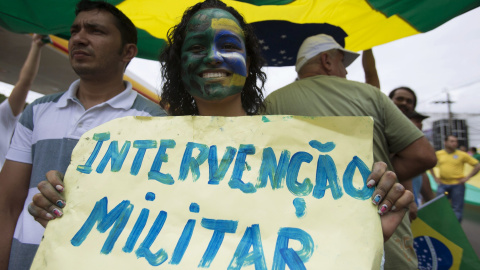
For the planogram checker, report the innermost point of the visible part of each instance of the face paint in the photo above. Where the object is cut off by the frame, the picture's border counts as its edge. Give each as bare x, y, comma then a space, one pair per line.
214, 55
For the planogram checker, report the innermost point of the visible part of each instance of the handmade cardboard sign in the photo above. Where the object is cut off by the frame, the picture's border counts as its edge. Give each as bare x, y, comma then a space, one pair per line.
254, 192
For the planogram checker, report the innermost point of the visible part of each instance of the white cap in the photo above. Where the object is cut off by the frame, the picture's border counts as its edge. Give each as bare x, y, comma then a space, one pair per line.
314, 45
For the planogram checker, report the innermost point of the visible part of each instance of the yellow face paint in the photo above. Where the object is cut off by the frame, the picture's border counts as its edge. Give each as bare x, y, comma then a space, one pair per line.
226, 24
238, 80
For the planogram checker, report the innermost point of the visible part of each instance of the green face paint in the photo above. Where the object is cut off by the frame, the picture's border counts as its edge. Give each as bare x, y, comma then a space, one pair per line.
214, 60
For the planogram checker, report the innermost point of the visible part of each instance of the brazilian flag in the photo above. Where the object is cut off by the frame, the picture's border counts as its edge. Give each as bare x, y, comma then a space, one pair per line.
281, 25
439, 240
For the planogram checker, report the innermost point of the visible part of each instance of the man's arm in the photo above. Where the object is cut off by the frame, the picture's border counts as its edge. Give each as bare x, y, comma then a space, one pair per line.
432, 172
426, 190
414, 159
27, 75
412, 207
368, 62
474, 171
14, 183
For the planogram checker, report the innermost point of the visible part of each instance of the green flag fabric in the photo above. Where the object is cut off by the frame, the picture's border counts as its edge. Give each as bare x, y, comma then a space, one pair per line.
439, 240
281, 25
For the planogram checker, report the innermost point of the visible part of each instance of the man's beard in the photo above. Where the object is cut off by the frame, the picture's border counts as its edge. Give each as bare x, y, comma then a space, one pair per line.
405, 110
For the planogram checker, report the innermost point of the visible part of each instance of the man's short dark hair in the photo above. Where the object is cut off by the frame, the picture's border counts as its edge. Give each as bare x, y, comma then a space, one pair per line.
407, 89
473, 149
126, 27
174, 95
446, 138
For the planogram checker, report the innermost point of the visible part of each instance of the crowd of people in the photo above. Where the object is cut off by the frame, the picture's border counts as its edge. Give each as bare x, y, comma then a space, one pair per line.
211, 67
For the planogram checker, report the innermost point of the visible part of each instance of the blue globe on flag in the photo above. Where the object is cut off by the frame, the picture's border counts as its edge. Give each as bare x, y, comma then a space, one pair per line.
432, 254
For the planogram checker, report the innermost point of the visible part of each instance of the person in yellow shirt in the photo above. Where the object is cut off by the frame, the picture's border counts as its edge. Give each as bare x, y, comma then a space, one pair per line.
451, 163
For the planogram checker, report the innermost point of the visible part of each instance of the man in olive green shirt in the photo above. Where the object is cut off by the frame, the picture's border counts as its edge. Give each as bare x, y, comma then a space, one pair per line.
322, 90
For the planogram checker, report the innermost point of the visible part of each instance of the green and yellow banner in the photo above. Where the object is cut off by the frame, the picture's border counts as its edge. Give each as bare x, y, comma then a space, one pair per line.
281, 25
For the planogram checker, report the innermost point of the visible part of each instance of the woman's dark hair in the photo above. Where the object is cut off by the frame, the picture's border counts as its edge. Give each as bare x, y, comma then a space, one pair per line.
175, 97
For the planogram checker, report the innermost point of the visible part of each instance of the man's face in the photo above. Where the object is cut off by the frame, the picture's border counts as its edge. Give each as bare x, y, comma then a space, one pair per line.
451, 143
95, 47
404, 101
214, 60
338, 68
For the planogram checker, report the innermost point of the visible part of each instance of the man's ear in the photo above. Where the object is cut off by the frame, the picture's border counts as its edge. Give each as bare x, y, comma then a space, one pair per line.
130, 50
326, 62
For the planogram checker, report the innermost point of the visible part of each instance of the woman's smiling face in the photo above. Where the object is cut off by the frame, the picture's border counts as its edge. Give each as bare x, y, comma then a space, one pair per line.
214, 60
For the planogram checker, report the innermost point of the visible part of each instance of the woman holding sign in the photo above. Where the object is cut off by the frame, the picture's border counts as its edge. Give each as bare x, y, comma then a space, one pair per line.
211, 69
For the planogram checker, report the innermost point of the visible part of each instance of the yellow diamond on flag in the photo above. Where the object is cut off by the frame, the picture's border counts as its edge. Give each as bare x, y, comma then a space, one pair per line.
433, 249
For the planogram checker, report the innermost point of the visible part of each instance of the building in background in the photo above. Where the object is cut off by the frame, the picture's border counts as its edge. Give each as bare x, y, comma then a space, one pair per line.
465, 125
441, 129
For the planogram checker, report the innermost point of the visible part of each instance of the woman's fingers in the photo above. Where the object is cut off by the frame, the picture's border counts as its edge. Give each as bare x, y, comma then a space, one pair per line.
391, 199
404, 201
55, 178
49, 193
40, 214
378, 170
385, 184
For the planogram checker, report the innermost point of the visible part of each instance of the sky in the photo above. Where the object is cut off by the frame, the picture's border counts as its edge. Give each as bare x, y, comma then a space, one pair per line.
444, 59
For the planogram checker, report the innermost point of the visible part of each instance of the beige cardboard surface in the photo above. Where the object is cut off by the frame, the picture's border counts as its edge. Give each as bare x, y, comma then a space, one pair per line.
238, 221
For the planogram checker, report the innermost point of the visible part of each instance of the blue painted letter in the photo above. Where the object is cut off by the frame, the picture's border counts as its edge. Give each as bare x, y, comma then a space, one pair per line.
298, 189
326, 178
183, 242
100, 138
136, 231
285, 255
161, 157
117, 158
322, 147
251, 238
219, 227
236, 179
119, 215
363, 193
270, 169
217, 174
139, 225
189, 162
143, 250
142, 146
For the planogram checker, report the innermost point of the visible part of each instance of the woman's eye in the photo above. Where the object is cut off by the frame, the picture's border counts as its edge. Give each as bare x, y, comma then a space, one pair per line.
230, 46
196, 48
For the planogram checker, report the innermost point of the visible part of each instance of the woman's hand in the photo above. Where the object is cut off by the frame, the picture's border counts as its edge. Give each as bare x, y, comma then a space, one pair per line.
391, 197
48, 204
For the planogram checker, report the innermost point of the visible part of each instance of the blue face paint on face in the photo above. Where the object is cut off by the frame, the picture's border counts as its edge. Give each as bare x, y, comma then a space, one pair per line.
214, 60
226, 40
